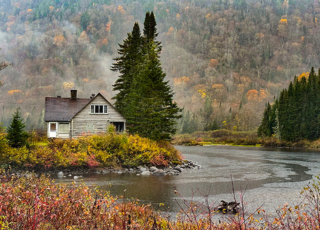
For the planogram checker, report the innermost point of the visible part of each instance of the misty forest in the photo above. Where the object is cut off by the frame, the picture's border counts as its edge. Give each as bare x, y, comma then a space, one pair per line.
224, 59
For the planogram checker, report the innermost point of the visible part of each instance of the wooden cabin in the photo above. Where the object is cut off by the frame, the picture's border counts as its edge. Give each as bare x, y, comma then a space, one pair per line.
73, 117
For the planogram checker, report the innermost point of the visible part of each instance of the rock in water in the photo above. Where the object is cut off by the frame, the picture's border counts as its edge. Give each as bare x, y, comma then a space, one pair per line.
145, 173
153, 169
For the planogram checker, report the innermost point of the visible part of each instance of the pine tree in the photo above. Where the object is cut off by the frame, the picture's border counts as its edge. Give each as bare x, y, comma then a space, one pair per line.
145, 98
263, 129
295, 115
126, 65
16, 136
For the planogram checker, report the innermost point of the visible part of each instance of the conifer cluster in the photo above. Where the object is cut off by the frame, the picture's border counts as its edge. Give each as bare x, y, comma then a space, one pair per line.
296, 114
144, 97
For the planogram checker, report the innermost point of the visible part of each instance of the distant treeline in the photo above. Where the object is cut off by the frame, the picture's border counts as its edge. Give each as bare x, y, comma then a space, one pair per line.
296, 114
224, 60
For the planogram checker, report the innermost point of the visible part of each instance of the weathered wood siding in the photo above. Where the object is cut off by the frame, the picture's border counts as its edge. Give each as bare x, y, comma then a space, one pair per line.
85, 122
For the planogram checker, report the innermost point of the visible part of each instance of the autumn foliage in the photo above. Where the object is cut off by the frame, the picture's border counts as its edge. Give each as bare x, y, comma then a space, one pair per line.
37, 202
105, 150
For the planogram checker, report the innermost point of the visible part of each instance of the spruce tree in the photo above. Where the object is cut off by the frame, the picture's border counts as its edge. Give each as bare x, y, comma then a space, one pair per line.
295, 115
144, 97
126, 65
16, 135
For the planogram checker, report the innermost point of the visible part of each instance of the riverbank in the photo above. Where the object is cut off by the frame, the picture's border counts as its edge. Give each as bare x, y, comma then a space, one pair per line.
78, 173
239, 138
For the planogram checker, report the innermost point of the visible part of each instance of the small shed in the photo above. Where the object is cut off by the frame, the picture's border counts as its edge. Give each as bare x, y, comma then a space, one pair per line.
73, 117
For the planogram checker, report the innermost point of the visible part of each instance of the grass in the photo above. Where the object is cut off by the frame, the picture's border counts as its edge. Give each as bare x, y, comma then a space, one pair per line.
239, 138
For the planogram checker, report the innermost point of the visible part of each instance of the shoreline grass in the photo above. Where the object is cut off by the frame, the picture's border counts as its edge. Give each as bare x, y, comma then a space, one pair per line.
242, 138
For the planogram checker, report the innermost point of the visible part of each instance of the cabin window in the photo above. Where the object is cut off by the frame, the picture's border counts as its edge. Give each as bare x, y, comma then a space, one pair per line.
64, 128
53, 127
99, 109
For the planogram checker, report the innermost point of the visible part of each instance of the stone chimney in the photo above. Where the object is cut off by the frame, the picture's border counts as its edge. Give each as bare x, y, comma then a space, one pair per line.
73, 94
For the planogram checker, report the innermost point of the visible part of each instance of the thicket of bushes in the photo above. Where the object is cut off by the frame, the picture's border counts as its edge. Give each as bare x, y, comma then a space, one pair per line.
33, 202
110, 149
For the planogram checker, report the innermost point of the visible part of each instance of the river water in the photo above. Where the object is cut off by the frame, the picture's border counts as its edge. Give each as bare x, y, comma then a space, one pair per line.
265, 177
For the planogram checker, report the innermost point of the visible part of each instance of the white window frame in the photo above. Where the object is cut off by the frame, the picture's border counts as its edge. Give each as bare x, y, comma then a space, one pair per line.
94, 108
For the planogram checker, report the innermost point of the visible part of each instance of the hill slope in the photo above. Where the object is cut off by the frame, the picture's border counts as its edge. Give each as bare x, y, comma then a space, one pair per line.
224, 59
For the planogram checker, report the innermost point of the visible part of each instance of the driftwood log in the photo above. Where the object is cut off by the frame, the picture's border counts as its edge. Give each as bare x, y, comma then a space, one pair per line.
227, 207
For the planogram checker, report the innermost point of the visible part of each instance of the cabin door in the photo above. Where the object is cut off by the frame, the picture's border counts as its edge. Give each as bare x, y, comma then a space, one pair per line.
53, 127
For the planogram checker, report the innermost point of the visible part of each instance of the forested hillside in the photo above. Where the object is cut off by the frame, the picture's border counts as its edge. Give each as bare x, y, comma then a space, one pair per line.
224, 58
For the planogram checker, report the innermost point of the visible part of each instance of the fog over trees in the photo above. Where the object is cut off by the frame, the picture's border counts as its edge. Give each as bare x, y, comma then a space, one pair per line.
225, 59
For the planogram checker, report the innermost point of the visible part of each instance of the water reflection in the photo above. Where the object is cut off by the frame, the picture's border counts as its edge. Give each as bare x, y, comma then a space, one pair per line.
267, 175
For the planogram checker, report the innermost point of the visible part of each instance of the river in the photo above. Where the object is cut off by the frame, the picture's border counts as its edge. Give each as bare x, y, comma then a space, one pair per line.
265, 177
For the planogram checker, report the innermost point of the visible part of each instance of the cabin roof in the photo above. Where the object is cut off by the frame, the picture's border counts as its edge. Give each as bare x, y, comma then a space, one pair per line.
63, 109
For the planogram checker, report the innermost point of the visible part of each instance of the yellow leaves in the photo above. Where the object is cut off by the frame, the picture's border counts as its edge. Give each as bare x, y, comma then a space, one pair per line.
108, 26
182, 80
59, 40
263, 94
29, 11
283, 21
303, 75
259, 36
102, 42
202, 93
178, 16
121, 10
105, 41
51, 8
68, 85
213, 63
86, 79
296, 44
285, 4
252, 95
83, 37
207, 16
218, 87
302, 39
12, 92
171, 29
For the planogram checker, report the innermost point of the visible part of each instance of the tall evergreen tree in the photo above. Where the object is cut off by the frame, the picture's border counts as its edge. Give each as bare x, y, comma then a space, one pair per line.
126, 65
145, 98
16, 136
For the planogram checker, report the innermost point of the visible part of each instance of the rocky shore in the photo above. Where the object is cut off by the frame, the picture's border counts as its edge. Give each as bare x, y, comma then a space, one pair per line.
140, 170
